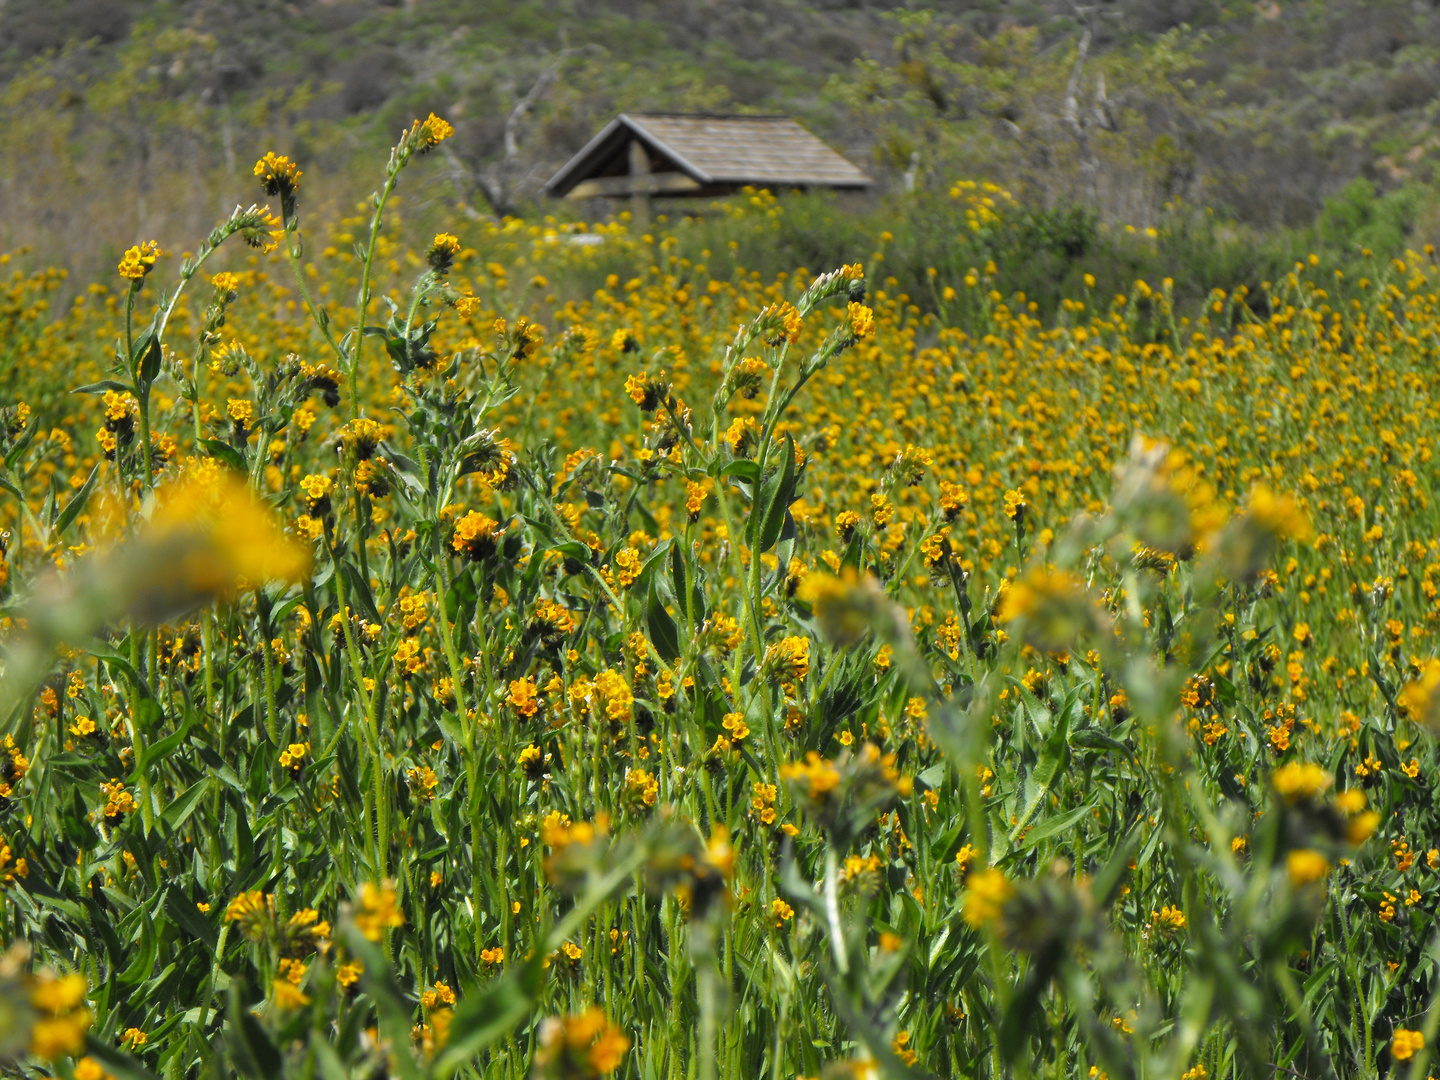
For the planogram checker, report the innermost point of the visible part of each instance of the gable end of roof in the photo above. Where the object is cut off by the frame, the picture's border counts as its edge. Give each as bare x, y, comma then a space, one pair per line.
715, 149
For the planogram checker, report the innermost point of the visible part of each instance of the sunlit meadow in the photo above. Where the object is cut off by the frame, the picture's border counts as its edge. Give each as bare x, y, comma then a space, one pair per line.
543, 653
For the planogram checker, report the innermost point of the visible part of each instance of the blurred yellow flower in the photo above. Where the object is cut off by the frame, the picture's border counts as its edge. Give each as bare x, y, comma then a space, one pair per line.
987, 892
1305, 866
1404, 1043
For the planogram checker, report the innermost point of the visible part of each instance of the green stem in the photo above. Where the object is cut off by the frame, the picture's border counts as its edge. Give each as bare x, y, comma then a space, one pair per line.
137, 738
145, 436
709, 1008
272, 717
391, 176
382, 796
502, 857
292, 226
421, 288
195, 393
207, 645
832, 911
362, 536
185, 275
737, 567
564, 532
142, 392
210, 982
130, 326
752, 530
352, 650
447, 637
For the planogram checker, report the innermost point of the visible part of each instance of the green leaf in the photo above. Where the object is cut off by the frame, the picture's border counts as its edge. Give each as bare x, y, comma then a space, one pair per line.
76, 822
116, 1062
392, 1012
140, 347
793, 885
53, 900
1157, 837
932, 777
1054, 756
449, 725
118, 664
331, 1067
1095, 739
143, 964
184, 914
574, 549
663, 633
1023, 1012
224, 453
76, 503
679, 574
179, 811
164, 748
47, 511
146, 714
484, 1017
250, 1047
1050, 826
775, 499
654, 564
149, 364
460, 602
5, 485
360, 597
103, 386
742, 469
1105, 886
281, 613
13, 454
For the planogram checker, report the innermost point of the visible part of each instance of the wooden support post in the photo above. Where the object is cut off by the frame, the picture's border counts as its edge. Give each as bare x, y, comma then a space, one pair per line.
639, 184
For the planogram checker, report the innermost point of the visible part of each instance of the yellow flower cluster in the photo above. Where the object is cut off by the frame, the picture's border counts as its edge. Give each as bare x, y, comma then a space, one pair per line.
583, 1047
118, 800
138, 261
475, 535
378, 910
278, 174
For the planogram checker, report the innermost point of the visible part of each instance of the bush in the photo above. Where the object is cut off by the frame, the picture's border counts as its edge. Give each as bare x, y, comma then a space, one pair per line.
1360, 217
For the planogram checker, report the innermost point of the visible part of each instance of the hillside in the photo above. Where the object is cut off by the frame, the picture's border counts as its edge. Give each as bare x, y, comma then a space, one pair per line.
147, 112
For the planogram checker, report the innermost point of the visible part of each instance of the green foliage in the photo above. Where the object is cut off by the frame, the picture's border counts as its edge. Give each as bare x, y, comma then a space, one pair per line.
1359, 217
1202, 104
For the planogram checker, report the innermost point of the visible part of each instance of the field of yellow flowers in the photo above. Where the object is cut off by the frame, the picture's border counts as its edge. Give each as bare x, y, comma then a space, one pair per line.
413, 671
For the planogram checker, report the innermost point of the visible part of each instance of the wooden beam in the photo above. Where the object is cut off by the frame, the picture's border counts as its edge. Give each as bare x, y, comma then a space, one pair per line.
640, 183
622, 186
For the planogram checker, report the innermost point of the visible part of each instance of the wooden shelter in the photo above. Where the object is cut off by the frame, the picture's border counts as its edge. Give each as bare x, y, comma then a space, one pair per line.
643, 155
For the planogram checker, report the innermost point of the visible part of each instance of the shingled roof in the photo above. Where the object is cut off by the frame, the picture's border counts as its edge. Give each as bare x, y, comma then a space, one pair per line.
697, 154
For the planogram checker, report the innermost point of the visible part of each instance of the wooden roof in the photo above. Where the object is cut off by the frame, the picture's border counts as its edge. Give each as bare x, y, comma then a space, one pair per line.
712, 151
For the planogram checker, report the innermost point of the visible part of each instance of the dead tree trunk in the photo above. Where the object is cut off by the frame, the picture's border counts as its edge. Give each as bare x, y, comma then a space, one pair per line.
497, 181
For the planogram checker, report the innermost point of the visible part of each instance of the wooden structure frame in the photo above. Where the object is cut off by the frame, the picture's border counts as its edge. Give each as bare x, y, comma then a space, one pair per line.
643, 155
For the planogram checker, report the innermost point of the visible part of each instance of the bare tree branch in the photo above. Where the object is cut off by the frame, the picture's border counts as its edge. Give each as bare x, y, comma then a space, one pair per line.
1089, 164
496, 182
1104, 117
523, 106
466, 181
1072, 109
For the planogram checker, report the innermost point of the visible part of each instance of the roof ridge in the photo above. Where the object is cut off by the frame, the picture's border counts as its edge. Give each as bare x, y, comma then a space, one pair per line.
716, 116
